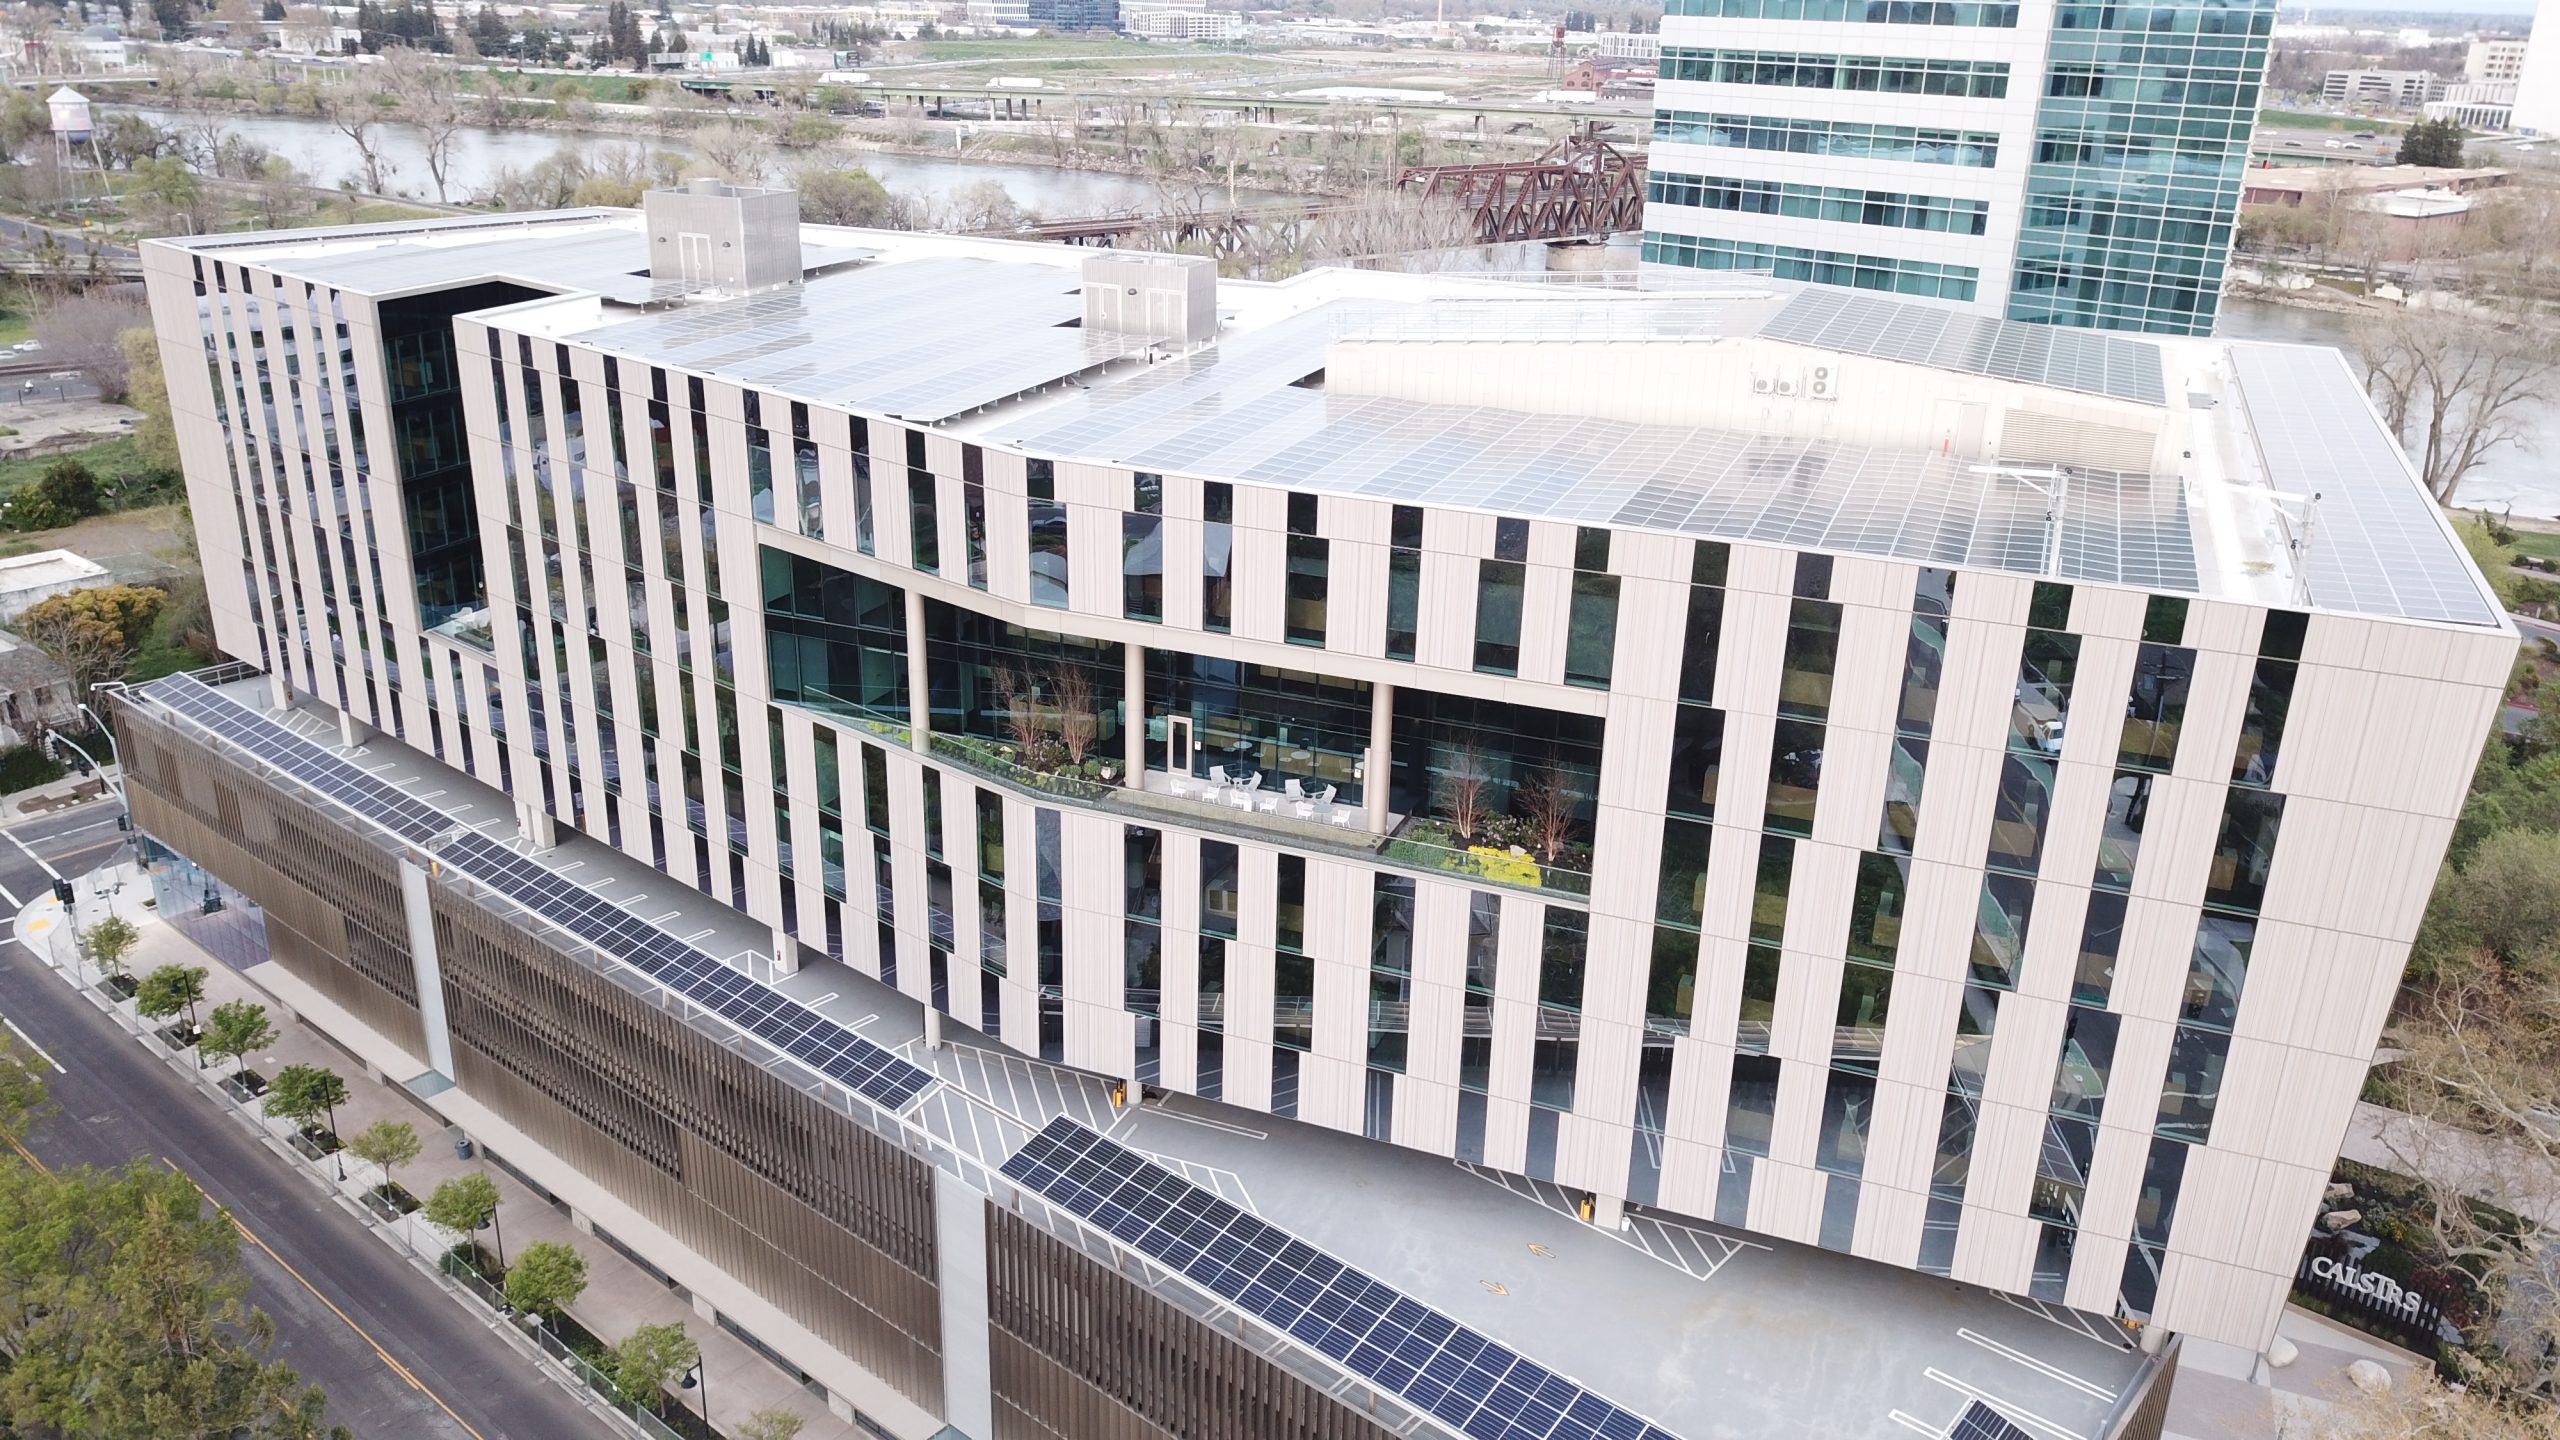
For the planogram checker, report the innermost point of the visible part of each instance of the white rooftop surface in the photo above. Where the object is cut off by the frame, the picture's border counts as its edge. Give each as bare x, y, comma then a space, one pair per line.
47, 567
2287, 491
1711, 1334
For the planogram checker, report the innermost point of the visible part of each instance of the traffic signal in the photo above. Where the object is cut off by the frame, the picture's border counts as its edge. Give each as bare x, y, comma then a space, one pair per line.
62, 891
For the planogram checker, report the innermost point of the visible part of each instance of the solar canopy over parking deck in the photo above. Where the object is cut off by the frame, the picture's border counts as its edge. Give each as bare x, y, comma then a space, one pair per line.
829, 1048
1475, 1386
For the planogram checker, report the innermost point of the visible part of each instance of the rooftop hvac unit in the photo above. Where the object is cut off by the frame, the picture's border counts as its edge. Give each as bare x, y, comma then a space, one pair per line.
1786, 385
1762, 385
1821, 385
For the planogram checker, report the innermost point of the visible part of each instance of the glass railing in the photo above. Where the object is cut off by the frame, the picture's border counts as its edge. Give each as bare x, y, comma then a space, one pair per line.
889, 725
1417, 848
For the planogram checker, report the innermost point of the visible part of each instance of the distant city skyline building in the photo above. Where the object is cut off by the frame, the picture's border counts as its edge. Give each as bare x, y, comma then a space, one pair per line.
2071, 165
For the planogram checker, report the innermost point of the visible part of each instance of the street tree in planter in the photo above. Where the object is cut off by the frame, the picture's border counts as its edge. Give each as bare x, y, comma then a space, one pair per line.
546, 1279
772, 1423
387, 1145
467, 1204
648, 1360
235, 1028
170, 991
105, 945
303, 1094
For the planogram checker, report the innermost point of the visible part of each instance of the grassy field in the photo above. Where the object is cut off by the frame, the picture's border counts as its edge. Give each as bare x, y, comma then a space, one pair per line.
107, 457
2540, 544
2307, 120
15, 323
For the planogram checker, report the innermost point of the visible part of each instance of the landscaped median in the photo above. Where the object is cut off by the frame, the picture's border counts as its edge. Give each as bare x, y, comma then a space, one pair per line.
360, 1139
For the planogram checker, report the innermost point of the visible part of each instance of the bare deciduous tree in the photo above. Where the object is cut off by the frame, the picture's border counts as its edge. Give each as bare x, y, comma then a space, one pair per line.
738, 151
350, 111
1078, 725
1552, 805
2453, 386
1462, 791
431, 100
84, 331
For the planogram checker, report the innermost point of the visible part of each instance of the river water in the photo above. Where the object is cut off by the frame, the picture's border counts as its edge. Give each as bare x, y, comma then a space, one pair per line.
480, 155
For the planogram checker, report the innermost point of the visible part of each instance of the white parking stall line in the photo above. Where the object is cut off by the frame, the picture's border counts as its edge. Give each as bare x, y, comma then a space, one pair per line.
2050, 1372
2027, 1419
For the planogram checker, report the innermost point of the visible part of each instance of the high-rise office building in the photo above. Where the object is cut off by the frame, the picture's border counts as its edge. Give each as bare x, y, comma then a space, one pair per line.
2067, 165
1080, 850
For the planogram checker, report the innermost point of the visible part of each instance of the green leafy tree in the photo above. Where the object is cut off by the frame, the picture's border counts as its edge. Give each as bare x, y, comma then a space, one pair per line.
464, 1204
106, 943
171, 990
305, 1093
22, 1092
129, 1318
235, 1028
70, 488
2433, 142
844, 197
649, 1359
386, 1145
546, 1279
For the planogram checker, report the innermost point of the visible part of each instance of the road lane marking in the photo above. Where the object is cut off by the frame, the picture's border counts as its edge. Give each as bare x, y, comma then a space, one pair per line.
32, 1045
47, 865
394, 1365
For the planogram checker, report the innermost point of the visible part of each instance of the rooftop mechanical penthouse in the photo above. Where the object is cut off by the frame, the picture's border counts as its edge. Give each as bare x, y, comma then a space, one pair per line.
1084, 850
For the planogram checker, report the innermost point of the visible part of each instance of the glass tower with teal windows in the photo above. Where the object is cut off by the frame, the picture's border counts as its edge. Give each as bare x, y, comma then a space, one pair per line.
2141, 147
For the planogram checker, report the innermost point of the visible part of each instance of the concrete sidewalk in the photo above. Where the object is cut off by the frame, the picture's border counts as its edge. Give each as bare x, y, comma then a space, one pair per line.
620, 1294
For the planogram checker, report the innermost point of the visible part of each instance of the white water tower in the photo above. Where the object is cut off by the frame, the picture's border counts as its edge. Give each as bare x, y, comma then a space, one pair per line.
71, 124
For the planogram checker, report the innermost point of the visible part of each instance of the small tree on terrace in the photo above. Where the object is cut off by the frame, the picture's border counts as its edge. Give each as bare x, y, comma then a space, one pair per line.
546, 1280
772, 1423
106, 943
1071, 689
235, 1028
1552, 804
1461, 791
171, 990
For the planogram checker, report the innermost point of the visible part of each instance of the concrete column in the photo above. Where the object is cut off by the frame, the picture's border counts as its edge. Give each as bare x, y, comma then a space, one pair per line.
1377, 764
1608, 1212
418, 908
1133, 731
932, 1028
537, 825
960, 1249
919, 693
350, 734
280, 688
786, 953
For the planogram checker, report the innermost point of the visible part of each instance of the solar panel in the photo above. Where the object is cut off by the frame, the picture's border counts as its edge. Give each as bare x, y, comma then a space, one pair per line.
1981, 1422
2378, 542
813, 1039
1468, 1383
2087, 361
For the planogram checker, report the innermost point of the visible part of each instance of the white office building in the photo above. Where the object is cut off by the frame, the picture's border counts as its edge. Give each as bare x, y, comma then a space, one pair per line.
1802, 796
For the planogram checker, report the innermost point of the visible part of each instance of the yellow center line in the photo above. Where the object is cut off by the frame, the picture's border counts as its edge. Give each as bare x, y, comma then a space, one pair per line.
396, 1367
28, 1155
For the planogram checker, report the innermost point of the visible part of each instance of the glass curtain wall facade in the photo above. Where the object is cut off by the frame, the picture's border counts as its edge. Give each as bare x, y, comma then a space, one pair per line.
2142, 142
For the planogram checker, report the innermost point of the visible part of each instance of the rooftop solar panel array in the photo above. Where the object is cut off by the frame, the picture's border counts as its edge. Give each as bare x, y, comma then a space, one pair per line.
2378, 542
1466, 1382
2089, 361
918, 339
795, 1029
1233, 412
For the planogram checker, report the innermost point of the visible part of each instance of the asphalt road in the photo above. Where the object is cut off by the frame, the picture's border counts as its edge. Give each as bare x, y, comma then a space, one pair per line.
397, 1356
